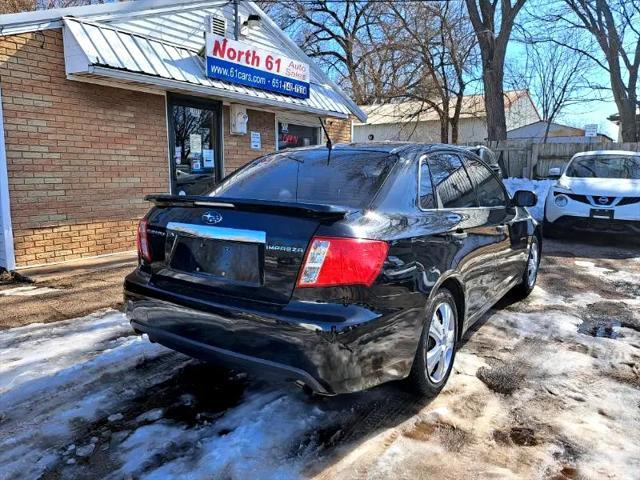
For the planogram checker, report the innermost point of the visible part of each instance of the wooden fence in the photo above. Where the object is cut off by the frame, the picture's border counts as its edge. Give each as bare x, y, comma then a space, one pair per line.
533, 160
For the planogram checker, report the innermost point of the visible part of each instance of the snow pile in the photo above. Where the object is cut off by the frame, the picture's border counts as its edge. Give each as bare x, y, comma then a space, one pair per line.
41, 350
81, 393
540, 187
257, 441
54, 378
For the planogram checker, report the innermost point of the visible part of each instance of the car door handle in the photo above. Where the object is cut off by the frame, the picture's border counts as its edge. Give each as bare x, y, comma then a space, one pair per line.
501, 228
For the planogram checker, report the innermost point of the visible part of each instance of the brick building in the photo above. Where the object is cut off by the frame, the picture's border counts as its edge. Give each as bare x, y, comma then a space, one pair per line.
102, 105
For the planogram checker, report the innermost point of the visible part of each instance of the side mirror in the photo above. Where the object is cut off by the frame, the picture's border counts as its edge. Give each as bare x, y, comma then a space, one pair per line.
524, 198
554, 172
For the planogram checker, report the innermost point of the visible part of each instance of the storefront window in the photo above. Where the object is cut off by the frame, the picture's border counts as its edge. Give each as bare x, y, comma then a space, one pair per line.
291, 135
194, 146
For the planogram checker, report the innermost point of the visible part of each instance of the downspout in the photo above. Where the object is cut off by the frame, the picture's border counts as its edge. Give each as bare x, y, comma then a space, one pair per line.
5, 209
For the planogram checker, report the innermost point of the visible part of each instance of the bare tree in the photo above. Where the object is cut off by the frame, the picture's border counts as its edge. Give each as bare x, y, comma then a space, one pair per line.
47, 4
342, 35
615, 27
440, 45
14, 6
556, 76
486, 16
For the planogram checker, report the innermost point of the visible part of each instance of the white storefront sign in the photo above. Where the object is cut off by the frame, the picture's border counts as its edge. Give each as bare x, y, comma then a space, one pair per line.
240, 62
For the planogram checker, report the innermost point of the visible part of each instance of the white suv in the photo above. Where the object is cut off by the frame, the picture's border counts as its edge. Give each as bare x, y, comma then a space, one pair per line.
598, 191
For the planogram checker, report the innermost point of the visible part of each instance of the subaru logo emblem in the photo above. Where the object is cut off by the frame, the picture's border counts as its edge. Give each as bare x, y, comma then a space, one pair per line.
212, 218
603, 200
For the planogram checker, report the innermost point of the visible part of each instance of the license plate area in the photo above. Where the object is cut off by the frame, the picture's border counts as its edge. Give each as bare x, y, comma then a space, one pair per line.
217, 254
602, 213
224, 260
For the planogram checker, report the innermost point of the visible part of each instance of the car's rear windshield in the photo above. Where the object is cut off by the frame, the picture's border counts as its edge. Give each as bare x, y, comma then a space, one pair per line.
605, 166
349, 179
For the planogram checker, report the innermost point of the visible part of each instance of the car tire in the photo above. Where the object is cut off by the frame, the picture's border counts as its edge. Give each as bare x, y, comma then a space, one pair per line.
530, 275
438, 342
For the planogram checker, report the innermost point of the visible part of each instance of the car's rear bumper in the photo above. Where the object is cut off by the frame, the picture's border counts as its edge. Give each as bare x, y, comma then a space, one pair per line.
210, 353
367, 349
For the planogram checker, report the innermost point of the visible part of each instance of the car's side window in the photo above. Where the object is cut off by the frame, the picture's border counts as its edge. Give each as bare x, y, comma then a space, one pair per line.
490, 191
452, 184
425, 187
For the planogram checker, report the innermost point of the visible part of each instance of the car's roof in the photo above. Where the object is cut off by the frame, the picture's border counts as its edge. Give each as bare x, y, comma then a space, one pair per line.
606, 152
383, 147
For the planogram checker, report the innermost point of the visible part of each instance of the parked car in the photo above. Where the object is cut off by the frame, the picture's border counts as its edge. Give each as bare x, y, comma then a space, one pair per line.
339, 269
487, 155
598, 191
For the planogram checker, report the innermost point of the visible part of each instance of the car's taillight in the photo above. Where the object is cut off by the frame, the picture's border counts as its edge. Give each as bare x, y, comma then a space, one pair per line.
142, 241
334, 261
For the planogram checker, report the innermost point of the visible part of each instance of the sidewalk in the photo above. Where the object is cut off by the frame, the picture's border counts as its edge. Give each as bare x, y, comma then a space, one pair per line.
71, 268
65, 290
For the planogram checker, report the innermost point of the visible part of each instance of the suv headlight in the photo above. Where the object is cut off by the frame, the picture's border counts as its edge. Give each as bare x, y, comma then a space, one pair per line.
561, 201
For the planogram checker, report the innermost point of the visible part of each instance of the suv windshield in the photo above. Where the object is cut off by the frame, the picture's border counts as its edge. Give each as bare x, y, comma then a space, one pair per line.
605, 166
349, 179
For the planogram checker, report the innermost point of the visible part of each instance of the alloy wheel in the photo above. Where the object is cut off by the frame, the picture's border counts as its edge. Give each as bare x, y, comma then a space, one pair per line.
532, 264
440, 342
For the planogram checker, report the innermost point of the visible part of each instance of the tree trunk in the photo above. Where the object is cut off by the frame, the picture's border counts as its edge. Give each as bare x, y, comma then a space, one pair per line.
454, 130
546, 131
444, 129
628, 124
494, 100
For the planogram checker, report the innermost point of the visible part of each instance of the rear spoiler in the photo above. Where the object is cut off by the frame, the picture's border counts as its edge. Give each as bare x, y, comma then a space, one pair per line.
313, 210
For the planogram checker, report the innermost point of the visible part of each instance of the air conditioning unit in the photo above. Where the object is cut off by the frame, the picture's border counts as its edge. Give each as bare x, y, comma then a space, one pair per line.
239, 119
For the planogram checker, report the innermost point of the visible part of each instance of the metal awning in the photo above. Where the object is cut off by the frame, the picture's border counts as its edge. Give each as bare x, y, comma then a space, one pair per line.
96, 49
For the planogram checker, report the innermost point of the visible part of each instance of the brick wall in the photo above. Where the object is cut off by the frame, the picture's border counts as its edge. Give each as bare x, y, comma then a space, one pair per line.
237, 148
80, 157
339, 130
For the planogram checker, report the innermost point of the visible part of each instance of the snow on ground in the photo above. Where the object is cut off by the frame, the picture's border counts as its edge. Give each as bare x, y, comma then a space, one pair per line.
76, 389
608, 273
540, 187
28, 291
545, 388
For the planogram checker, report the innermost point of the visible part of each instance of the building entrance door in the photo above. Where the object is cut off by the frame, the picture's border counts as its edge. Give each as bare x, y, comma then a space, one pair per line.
195, 132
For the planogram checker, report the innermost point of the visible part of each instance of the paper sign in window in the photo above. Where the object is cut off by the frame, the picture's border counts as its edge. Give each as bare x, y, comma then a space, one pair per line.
195, 144
256, 141
207, 158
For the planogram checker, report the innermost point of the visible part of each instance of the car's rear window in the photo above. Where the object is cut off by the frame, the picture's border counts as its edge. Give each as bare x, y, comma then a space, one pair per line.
605, 166
349, 179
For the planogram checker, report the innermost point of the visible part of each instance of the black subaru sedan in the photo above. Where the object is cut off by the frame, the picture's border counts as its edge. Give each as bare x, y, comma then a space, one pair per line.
338, 269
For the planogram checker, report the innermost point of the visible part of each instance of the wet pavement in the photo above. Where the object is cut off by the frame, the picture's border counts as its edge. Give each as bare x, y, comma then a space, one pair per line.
544, 388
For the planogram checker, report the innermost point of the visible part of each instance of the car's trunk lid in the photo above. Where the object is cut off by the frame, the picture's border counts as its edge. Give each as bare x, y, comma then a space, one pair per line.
238, 248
